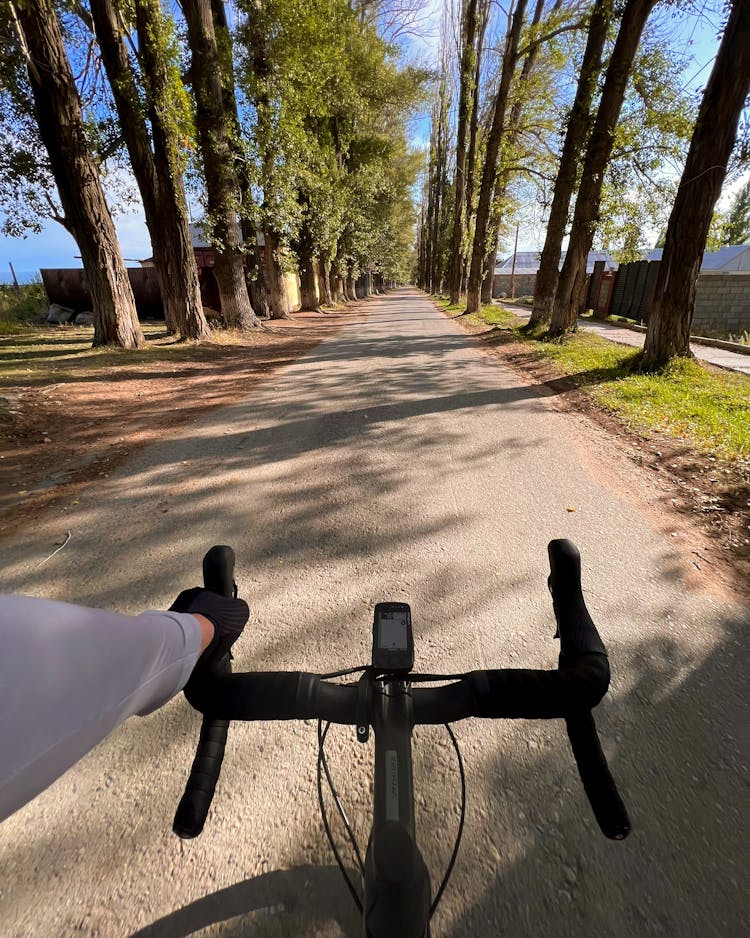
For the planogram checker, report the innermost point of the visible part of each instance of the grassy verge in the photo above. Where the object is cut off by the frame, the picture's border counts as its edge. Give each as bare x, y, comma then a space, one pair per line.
707, 408
18, 306
38, 355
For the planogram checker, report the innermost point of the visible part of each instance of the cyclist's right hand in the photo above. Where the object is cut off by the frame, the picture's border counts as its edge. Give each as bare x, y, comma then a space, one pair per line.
227, 615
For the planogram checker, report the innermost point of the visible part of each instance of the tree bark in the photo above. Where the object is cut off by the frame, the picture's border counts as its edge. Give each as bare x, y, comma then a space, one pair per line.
466, 95
579, 122
324, 278
254, 272
167, 157
164, 204
713, 140
61, 128
488, 270
497, 128
571, 286
309, 299
223, 197
274, 276
471, 156
351, 287
337, 283
438, 188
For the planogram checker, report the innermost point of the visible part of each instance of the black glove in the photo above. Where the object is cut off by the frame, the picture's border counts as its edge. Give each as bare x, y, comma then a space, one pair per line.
227, 615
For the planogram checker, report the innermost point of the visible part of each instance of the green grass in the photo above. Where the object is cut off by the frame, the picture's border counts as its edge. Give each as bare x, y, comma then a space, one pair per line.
706, 407
39, 355
19, 306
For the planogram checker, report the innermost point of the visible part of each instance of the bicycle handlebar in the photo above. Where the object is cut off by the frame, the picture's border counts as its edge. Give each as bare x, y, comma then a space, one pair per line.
570, 693
192, 811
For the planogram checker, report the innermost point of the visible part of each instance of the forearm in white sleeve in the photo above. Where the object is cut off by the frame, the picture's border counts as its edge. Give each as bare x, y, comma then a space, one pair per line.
69, 675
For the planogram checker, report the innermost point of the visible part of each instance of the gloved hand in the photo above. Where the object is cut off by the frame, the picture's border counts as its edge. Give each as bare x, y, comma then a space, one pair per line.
227, 615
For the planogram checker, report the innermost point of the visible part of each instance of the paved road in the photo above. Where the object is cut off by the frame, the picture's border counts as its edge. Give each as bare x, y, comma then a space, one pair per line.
396, 461
725, 358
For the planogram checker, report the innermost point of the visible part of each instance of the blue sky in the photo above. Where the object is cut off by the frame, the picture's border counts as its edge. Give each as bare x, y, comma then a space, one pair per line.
54, 247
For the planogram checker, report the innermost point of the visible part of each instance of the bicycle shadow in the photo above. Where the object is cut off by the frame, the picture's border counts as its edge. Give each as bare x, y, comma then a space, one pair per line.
283, 902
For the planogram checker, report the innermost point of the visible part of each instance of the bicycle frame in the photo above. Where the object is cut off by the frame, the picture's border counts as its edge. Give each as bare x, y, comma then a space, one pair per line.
397, 883
397, 895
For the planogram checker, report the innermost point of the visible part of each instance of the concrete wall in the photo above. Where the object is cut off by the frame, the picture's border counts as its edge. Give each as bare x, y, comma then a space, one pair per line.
523, 284
291, 284
722, 303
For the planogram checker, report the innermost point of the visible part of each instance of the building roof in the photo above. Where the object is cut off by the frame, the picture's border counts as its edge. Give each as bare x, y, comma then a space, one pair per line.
198, 236
730, 257
527, 262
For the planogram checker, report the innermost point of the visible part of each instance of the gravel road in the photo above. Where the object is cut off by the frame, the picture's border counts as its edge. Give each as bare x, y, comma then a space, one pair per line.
394, 461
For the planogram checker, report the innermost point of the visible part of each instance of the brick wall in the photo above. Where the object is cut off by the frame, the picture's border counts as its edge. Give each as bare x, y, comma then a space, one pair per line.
523, 284
722, 303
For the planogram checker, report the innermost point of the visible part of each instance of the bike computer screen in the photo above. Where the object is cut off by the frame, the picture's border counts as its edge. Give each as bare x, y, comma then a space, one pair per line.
392, 640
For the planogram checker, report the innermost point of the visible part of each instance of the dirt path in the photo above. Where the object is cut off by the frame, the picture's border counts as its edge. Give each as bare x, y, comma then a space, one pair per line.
393, 461
57, 439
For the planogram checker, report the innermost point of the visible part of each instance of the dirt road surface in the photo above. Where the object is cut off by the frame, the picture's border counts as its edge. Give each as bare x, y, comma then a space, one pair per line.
394, 461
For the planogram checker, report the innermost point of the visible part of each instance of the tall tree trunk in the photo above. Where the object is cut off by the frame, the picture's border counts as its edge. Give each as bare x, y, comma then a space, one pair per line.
164, 205
324, 278
309, 299
223, 197
179, 260
436, 273
467, 91
337, 281
87, 217
488, 270
257, 47
579, 122
497, 128
471, 156
512, 134
274, 276
571, 286
351, 285
254, 271
711, 146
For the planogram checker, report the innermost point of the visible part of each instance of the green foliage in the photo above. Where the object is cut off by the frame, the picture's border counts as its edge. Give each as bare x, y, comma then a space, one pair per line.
327, 130
166, 94
28, 194
651, 141
736, 227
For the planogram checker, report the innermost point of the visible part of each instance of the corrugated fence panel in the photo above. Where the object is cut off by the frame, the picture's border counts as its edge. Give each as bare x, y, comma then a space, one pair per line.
68, 287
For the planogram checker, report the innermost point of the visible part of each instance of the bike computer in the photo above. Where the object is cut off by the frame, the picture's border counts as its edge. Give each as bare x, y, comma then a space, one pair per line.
392, 639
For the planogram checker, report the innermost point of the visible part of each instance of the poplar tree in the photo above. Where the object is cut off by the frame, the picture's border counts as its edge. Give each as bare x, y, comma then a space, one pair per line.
714, 136
155, 162
85, 212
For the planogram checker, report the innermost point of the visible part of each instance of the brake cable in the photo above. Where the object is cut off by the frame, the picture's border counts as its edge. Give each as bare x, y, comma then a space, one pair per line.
323, 764
323, 768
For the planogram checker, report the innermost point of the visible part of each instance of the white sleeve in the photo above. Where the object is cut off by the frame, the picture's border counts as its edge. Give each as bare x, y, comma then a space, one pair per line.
69, 675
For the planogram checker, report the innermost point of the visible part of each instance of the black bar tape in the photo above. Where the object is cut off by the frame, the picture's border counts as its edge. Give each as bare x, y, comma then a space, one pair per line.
199, 792
578, 634
604, 798
192, 811
274, 695
218, 570
516, 693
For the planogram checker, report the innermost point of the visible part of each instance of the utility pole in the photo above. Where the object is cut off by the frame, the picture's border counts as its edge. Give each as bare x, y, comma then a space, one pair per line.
513, 268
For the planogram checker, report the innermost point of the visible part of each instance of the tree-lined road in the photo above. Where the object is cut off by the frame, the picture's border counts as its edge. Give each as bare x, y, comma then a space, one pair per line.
394, 461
